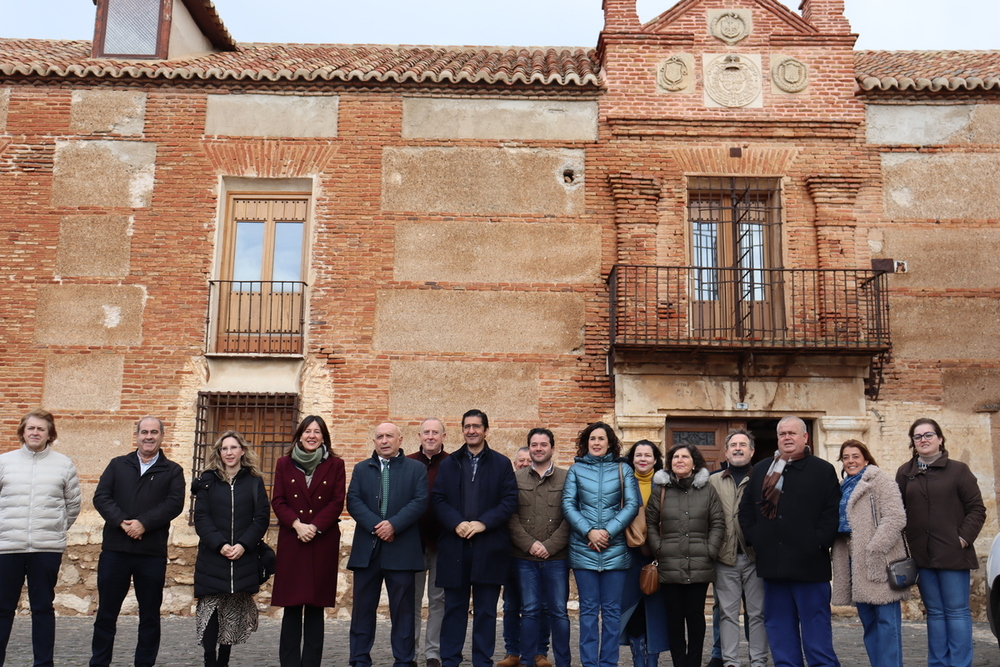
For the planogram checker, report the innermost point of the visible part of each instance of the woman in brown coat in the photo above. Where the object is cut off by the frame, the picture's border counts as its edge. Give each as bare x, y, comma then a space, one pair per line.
308, 497
870, 537
944, 514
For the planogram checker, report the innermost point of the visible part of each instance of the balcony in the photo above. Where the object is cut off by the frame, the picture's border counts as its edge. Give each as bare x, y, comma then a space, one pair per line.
749, 309
255, 317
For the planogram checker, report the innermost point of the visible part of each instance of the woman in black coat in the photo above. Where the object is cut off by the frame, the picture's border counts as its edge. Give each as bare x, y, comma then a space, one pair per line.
231, 515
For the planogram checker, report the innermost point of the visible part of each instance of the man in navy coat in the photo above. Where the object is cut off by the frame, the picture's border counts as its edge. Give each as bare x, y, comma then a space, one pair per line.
474, 496
387, 497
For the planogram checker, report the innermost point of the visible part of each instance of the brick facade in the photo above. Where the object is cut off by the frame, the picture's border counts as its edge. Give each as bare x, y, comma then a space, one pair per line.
439, 275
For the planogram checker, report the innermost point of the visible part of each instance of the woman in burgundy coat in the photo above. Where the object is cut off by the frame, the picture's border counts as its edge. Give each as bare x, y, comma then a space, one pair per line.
308, 499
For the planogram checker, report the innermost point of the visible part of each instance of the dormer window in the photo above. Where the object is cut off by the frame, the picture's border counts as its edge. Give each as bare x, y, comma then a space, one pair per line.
159, 29
132, 29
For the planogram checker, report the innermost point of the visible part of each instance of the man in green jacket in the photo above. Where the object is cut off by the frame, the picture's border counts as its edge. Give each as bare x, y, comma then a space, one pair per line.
540, 534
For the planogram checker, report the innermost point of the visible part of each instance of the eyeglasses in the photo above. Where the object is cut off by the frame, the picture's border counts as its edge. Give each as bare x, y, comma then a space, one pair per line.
917, 437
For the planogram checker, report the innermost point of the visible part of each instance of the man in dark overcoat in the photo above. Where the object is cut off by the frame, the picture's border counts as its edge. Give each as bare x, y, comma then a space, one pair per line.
386, 497
789, 515
474, 496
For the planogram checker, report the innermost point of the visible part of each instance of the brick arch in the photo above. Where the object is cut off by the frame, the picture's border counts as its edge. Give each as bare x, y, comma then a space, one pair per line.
268, 159
755, 161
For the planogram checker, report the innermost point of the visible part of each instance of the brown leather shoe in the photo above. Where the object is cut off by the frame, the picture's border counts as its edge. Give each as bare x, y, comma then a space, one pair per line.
542, 661
433, 662
509, 660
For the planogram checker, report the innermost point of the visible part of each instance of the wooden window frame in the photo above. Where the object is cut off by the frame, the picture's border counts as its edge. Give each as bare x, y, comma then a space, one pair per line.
162, 35
227, 260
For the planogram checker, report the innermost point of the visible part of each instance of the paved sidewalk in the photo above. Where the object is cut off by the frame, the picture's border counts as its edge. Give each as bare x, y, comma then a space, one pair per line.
179, 648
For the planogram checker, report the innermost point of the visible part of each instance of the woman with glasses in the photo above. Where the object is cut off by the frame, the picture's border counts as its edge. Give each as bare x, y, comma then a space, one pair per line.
870, 536
944, 514
231, 514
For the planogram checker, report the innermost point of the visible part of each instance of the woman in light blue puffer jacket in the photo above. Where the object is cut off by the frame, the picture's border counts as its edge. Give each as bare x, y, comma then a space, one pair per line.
600, 499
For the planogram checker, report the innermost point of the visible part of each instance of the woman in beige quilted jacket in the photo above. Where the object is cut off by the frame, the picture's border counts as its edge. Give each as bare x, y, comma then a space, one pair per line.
871, 536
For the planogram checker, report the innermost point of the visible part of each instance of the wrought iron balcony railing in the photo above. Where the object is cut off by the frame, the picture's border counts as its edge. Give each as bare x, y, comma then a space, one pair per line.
255, 317
735, 308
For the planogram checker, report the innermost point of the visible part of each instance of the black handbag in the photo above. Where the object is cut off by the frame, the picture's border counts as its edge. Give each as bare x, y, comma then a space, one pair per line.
902, 573
265, 554
265, 561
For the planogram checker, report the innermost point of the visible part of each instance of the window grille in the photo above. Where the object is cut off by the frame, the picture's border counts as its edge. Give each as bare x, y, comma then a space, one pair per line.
266, 421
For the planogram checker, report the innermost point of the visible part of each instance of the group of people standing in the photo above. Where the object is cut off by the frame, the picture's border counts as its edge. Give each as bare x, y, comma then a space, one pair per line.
464, 525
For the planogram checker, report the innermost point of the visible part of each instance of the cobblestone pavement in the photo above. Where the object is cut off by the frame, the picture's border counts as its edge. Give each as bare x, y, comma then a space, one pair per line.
179, 648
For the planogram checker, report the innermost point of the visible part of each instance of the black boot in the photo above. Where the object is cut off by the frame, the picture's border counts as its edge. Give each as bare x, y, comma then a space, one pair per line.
224, 651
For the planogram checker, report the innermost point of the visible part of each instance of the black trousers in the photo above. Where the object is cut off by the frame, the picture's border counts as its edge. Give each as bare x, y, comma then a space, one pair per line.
301, 641
685, 608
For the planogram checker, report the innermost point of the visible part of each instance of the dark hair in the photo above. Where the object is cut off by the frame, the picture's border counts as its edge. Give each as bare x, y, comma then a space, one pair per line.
304, 424
476, 413
738, 431
45, 416
657, 455
699, 460
865, 454
583, 441
542, 431
930, 422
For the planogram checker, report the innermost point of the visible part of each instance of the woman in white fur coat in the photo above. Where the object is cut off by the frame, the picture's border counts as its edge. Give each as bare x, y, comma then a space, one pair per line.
872, 519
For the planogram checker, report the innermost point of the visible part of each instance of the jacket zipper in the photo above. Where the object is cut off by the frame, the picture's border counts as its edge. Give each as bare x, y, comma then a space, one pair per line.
232, 534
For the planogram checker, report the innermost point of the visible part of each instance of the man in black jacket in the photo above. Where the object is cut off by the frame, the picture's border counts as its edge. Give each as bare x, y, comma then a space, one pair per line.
789, 515
138, 495
387, 497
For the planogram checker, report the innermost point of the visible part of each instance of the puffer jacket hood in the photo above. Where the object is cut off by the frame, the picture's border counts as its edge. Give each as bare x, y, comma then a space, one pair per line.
666, 478
39, 500
599, 493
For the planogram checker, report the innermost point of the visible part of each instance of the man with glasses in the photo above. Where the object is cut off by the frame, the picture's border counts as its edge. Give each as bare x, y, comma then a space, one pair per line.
789, 515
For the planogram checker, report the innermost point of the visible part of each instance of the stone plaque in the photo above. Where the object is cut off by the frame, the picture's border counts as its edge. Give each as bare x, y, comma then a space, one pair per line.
790, 75
732, 80
730, 25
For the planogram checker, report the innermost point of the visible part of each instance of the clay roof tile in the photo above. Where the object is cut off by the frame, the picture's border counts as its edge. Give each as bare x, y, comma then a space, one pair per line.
927, 70
331, 62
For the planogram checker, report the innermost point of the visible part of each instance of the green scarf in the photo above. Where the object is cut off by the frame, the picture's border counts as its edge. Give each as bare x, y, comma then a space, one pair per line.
308, 460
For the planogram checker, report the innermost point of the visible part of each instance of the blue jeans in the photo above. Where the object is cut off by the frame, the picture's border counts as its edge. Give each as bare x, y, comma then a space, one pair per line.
600, 595
949, 623
42, 571
544, 588
115, 570
513, 623
883, 625
797, 618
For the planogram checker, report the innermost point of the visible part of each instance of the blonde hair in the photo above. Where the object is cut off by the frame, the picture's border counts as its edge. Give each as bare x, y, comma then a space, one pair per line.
249, 459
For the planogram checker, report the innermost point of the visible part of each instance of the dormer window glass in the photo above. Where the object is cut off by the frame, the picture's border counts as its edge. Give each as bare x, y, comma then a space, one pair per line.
131, 29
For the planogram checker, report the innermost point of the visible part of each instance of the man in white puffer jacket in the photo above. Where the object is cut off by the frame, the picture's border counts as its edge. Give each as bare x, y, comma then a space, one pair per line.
39, 501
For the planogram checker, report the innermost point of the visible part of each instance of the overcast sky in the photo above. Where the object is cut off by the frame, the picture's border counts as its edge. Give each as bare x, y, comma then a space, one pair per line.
881, 24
